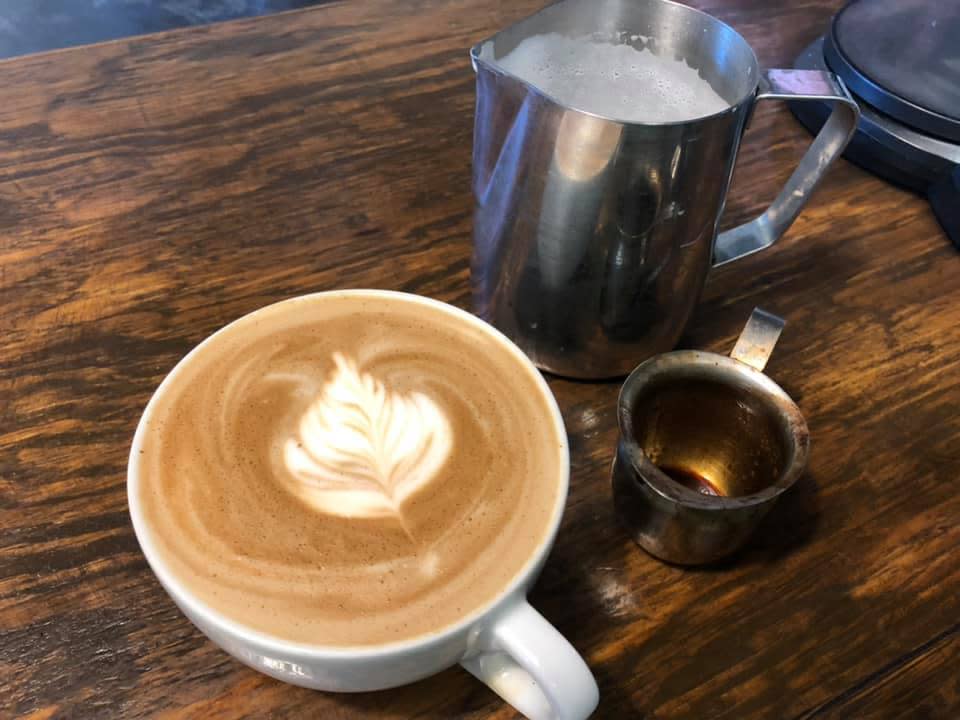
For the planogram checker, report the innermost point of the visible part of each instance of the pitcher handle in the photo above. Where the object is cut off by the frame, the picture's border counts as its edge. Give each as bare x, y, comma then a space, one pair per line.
798, 85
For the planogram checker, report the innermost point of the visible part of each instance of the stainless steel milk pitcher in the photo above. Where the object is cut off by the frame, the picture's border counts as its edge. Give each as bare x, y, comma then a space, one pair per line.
593, 236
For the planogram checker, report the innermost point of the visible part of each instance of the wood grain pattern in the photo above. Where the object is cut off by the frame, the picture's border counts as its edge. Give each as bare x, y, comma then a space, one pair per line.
153, 189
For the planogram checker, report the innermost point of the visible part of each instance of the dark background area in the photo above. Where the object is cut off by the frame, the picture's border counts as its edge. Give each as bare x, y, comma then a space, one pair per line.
28, 26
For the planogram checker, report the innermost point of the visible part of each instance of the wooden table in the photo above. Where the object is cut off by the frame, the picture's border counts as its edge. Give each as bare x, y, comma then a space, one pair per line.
153, 189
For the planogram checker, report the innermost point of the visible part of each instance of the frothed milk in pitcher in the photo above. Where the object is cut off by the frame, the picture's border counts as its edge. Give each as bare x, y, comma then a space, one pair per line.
615, 80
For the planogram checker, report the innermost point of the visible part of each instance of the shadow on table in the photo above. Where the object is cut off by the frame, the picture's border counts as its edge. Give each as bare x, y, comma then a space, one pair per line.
451, 693
788, 527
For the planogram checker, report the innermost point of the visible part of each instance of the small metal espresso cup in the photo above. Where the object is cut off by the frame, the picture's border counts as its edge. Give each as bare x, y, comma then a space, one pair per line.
707, 445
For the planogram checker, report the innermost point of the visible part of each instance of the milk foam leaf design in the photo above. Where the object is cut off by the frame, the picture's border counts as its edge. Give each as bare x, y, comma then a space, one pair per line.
361, 449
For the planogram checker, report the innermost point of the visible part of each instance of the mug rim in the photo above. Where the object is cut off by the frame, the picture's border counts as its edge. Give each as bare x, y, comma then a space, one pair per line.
711, 366
193, 606
477, 49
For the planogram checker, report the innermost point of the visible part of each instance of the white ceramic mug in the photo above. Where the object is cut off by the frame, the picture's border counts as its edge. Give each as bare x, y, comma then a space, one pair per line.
506, 644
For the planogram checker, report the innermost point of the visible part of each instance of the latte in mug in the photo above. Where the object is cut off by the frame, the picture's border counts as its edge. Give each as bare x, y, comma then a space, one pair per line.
350, 469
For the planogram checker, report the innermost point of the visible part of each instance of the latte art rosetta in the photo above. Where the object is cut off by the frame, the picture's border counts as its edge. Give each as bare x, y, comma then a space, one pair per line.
362, 449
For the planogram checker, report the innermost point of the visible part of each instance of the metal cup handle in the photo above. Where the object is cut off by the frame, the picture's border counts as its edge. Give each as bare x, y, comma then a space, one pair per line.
758, 338
833, 137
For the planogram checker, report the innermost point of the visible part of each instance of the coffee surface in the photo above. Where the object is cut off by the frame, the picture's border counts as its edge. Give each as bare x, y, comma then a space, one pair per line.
616, 80
350, 469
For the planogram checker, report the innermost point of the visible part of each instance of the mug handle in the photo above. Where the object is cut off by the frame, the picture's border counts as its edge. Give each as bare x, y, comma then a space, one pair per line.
794, 85
527, 662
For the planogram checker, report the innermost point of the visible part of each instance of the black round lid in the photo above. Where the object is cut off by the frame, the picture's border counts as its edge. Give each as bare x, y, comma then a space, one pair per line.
902, 57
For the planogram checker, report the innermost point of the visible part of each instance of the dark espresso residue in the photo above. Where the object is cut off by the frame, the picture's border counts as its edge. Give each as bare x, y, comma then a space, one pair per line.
692, 480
